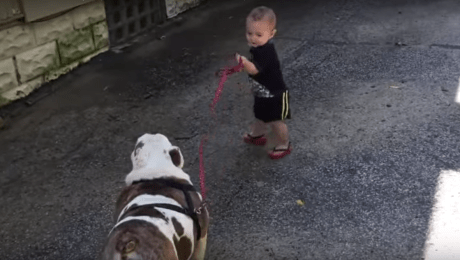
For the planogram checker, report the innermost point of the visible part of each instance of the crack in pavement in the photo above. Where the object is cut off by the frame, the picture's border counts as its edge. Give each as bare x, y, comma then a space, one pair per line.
446, 46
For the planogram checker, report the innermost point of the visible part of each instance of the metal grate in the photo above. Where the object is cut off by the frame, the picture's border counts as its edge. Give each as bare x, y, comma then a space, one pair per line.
128, 18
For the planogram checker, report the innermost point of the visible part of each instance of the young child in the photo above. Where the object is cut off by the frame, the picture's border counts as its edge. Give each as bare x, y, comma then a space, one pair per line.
271, 96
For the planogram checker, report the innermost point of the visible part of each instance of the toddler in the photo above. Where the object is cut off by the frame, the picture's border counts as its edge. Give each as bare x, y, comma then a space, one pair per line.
271, 96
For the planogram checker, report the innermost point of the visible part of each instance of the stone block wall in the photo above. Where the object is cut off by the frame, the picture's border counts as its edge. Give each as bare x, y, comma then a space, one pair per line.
34, 53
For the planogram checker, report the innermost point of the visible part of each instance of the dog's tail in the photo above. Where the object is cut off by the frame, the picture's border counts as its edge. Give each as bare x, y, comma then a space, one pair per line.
117, 249
137, 241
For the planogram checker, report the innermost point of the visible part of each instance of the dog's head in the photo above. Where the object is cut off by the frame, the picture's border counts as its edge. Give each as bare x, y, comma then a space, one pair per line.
156, 151
153, 157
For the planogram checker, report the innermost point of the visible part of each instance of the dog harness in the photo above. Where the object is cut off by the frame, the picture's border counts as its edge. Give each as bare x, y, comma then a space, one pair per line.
185, 188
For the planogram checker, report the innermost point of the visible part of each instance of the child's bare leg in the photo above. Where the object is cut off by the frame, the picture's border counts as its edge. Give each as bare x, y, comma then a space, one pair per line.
258, 128
280, 130
257, 134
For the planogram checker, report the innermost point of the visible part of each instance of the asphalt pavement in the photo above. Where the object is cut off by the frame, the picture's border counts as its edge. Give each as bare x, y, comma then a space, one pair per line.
374, 124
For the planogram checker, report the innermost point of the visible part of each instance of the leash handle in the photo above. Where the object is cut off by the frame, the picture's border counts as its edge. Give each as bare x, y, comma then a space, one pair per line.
224, 75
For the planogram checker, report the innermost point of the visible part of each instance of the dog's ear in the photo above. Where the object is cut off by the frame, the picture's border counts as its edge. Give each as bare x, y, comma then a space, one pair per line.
176, 157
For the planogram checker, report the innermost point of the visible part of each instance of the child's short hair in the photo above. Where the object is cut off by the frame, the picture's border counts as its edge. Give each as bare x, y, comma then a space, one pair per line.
263, 13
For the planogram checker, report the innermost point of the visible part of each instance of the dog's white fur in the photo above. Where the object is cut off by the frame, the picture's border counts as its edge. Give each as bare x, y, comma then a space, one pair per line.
145, 199
154, 161
155, 157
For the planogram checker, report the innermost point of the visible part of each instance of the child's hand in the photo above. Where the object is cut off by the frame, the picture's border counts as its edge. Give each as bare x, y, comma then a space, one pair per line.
238, 57
242, 58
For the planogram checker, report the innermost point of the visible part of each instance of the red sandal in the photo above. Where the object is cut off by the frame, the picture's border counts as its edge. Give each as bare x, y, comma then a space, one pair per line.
256, 140
285, 151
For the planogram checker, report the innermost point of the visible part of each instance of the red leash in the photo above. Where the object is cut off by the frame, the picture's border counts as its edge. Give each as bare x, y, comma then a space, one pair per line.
202, 173
224, 75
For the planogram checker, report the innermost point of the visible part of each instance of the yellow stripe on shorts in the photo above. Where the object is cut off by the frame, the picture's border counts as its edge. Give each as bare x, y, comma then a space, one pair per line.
282, 107
285, 106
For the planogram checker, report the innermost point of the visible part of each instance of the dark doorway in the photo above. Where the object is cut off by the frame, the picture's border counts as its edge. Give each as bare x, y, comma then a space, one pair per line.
128, 18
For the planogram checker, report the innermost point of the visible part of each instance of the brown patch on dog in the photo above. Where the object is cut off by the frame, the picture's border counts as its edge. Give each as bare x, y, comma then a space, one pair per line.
175, 156
130, 192
178, 227
144, 211
138, 147
184, 244
138, 240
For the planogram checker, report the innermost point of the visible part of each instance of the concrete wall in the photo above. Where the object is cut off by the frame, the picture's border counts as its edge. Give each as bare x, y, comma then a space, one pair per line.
35, 10
34, 53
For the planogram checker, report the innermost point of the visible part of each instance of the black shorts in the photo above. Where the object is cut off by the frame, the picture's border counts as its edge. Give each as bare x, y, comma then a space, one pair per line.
272, 109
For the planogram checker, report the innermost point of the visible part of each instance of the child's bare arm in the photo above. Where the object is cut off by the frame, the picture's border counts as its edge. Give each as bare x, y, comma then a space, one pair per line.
249, 67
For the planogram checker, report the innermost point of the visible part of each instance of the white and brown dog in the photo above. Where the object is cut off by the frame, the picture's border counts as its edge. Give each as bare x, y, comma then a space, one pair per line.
159, 213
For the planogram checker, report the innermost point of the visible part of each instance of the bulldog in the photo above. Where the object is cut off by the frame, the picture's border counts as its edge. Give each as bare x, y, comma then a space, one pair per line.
159, 214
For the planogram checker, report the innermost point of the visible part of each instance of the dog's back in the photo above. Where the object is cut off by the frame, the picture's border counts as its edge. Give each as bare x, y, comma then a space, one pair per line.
155, 212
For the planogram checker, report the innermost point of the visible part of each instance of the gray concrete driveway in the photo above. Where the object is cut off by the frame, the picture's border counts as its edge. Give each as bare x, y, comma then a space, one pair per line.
374, 124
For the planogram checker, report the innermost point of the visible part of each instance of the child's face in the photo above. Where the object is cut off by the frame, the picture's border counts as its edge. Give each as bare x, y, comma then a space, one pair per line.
258, 32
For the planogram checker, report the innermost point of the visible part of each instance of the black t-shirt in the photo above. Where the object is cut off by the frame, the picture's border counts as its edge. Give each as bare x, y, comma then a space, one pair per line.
266, 61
